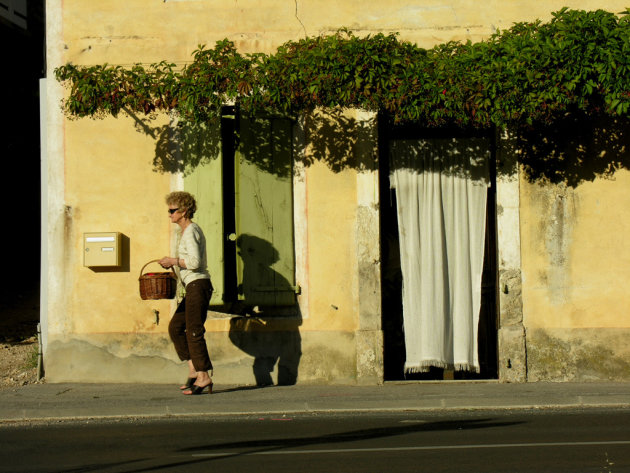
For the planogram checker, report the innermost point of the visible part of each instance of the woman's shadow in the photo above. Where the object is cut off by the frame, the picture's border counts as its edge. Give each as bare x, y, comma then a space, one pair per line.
269, 330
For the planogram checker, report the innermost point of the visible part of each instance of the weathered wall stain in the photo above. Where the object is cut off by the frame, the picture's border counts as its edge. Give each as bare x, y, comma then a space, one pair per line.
555, 208
150, 358
510, 297
558, 235
326, 364
69, 360
578, 354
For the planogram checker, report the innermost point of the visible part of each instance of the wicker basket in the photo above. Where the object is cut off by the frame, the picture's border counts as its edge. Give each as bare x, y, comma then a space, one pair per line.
157, 285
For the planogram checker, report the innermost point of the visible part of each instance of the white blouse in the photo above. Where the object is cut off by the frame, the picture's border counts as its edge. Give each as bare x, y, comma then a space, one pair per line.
192, 249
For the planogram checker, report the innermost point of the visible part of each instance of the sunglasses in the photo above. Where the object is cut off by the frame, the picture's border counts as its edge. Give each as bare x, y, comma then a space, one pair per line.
172, 211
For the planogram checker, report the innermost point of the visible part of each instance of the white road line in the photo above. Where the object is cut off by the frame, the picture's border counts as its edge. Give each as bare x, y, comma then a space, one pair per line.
406, 449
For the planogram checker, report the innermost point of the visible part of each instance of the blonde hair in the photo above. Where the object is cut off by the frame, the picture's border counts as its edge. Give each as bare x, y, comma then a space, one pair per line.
184, 201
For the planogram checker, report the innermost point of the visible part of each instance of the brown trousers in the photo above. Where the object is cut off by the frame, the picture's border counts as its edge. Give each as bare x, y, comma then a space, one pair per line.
186, 328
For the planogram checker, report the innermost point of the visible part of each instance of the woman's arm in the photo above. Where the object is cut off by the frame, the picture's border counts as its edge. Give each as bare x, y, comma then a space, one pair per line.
168, 262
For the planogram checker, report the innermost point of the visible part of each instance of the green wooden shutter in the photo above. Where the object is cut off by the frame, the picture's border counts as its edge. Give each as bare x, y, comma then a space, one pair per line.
201, 151
264, 212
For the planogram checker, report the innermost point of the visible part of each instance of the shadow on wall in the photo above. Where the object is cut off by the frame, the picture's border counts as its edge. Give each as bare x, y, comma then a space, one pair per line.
332, 137
261, 284
272, 340
575, 148
179, 148
270, 329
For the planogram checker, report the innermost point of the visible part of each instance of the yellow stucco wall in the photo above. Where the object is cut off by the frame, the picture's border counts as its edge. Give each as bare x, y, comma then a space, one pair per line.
575, 252
332, 252
109, 183
575, 260
111, 187
120, 32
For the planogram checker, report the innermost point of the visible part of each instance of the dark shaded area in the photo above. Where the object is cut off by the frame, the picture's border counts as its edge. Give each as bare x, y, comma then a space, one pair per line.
268, 445
273, 340
229, 143
576, 148
268, 333
331, 135
391, 289
573, 149
180, 147
261, 285
19, 314
487, 338
22, 55
334, 138
448, 141
267, 138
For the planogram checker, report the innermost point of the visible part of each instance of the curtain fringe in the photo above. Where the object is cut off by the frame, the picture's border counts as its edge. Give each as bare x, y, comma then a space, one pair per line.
425, 367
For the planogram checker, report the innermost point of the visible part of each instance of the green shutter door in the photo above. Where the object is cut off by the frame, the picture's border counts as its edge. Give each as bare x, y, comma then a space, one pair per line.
204, 181
264, 212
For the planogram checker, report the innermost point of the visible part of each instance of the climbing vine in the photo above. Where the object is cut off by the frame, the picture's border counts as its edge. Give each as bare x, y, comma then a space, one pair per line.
532, 72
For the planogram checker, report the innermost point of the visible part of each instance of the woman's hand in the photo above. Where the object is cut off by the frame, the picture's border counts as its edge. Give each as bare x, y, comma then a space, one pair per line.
167, 262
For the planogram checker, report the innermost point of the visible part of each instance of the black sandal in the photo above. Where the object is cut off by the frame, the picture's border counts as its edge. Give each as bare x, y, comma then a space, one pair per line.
196, 390
190, 382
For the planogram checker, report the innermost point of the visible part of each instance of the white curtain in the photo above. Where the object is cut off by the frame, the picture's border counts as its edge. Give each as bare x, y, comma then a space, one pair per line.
441, 191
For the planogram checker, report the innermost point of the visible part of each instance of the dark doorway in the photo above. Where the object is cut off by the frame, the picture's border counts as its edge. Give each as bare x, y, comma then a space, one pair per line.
391, 276
22, 35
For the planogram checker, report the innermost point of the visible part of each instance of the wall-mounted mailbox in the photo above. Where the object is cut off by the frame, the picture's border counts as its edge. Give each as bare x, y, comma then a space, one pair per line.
102, 249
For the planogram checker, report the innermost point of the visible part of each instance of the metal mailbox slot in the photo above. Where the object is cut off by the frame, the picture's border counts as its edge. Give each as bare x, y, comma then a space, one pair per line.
102, 249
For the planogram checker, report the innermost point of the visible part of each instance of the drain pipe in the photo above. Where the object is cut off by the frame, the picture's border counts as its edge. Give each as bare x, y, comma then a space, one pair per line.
40, 355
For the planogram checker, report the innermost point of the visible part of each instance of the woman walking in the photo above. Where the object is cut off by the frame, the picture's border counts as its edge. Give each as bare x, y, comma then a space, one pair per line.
186, 328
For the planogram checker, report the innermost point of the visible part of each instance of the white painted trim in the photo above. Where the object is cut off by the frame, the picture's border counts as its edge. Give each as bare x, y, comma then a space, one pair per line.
300, 216
512, 350
53, 274
368, 224
43, 280
367, 180
508, 222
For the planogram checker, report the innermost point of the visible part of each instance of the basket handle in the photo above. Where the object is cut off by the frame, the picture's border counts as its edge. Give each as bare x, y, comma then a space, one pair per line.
153, 261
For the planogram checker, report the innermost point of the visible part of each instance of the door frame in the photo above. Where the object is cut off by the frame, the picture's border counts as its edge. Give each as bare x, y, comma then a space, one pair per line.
391, 310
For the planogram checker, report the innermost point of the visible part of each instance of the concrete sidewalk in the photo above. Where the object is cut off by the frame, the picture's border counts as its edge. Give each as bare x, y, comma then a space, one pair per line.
114, 401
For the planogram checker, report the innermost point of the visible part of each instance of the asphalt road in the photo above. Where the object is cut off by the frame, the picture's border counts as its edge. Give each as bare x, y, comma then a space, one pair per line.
470, 441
